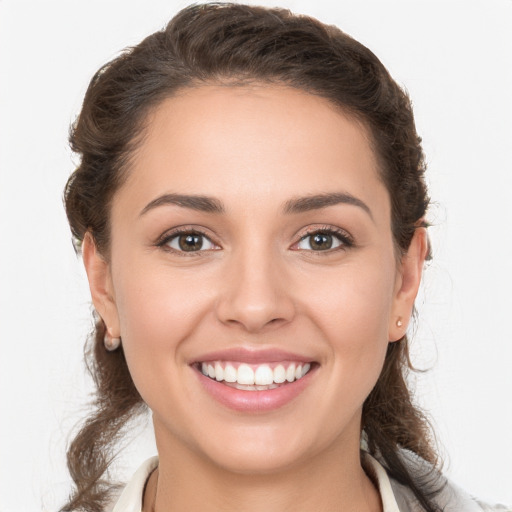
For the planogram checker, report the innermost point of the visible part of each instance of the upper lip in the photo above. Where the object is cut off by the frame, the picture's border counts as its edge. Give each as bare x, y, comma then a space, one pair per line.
255, 356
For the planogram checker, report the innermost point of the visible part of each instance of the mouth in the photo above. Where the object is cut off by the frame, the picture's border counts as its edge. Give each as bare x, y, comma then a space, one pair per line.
254, 377
254, 381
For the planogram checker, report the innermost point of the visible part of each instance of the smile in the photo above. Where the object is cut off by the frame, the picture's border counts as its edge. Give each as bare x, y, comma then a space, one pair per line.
254, 377
255, 381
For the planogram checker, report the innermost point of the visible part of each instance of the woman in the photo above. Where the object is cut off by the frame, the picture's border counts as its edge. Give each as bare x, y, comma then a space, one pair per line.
250, 206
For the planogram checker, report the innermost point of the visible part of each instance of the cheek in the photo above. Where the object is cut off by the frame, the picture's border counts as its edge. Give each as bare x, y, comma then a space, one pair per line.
354, 305
158, 311
352, 316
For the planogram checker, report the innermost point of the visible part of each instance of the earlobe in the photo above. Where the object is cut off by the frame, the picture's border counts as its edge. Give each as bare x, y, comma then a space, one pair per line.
408, 283
100, 284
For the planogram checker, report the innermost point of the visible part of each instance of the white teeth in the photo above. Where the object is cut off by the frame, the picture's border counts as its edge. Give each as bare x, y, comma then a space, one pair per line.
219, 372
290, 373
245, 374
230, 373
279, 374
257, 388
263, 377
243, 387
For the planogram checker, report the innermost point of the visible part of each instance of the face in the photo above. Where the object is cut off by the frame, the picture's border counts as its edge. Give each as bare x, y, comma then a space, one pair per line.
252, 275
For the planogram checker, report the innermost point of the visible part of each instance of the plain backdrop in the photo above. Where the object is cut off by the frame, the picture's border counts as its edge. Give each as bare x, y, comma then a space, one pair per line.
454, 58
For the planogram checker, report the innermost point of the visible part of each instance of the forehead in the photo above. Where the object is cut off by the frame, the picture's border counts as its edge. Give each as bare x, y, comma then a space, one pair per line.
258, 143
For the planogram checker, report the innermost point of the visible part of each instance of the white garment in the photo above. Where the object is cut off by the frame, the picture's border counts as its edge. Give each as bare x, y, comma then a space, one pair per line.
395, 497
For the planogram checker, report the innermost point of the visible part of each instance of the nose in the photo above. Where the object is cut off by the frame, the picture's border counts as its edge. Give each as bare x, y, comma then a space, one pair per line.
255, 293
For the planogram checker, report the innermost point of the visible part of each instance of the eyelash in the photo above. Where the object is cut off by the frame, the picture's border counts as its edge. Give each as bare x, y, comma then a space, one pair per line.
166, 238
346, 241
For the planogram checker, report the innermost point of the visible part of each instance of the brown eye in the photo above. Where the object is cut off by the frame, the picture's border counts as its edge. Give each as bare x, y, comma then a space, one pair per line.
190, 242
322, 241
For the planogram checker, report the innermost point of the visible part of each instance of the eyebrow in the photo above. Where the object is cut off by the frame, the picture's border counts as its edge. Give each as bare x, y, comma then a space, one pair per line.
293, 206
199, 203
319, 201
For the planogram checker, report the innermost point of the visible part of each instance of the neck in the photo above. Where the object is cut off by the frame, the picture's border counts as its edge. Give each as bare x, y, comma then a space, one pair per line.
332, 481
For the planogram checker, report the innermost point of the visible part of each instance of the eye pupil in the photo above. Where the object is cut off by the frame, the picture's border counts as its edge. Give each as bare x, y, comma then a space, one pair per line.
321, 241
191, 242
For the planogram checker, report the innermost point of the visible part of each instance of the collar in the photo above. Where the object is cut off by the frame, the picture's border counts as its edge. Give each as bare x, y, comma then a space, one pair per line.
131, 497
380, 478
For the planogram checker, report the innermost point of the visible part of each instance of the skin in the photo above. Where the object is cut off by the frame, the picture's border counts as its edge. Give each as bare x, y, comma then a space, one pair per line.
258, 284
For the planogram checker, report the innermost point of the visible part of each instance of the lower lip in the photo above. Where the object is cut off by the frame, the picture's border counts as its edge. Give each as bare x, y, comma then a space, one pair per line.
255, 401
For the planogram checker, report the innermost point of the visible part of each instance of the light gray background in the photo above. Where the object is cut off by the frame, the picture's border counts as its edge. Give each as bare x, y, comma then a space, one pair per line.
455, 58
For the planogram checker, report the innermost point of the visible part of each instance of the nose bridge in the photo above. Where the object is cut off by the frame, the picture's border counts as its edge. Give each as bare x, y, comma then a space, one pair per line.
254, 293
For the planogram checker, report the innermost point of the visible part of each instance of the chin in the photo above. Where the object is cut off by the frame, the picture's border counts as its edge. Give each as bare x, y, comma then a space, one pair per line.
253, 460
270, 449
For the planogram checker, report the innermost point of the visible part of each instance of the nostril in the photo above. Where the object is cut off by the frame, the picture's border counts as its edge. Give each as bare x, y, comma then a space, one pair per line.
254, 303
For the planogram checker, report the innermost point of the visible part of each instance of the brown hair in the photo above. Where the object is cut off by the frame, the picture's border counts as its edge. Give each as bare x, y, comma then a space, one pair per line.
230, 43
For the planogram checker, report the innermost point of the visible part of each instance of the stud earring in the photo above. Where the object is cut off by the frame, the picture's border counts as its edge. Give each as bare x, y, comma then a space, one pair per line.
399, 322
110, 342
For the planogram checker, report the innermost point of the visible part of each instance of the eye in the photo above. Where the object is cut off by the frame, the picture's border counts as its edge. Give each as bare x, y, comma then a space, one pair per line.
189, 241
323, 240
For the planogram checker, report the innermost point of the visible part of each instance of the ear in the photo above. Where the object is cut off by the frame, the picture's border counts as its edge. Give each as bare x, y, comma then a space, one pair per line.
407, 284
100, 284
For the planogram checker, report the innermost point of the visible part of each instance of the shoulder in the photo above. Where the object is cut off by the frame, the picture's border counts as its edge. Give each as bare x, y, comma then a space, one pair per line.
450, 497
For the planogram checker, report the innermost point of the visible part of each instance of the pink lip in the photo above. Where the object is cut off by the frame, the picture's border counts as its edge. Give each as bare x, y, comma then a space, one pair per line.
251, 356
255, 401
